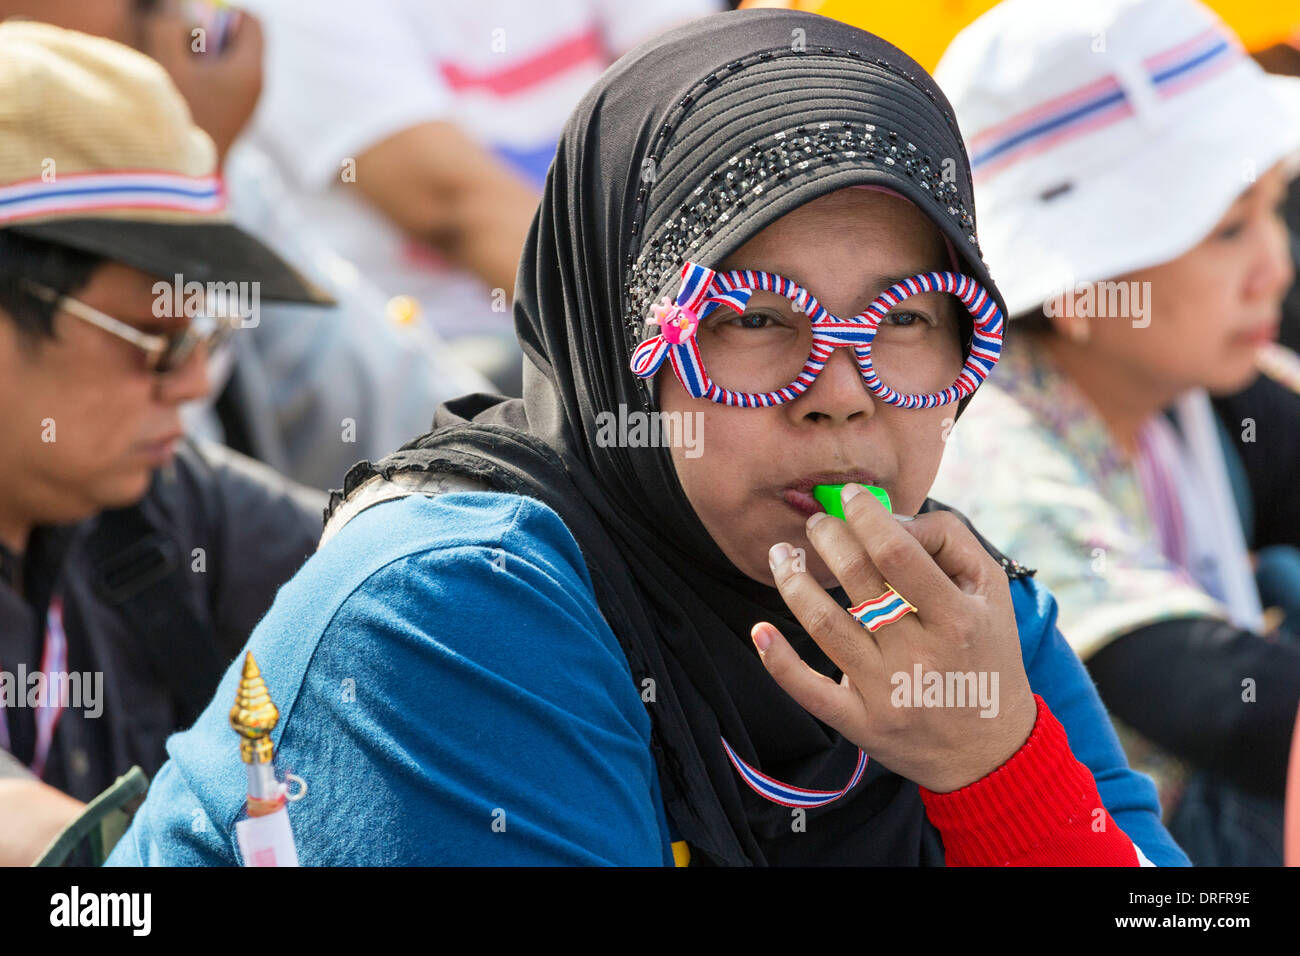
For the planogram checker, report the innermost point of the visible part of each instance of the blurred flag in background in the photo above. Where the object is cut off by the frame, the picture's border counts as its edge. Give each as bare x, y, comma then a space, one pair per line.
924, 28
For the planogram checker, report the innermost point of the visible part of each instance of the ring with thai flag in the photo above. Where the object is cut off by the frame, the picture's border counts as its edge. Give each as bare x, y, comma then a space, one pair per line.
886, 609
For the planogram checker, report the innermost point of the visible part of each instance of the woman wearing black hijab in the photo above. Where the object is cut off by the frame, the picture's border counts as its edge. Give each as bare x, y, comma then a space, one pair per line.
527, 635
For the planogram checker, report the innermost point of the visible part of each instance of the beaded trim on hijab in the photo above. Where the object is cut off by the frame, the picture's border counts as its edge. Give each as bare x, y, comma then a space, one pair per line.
790, 153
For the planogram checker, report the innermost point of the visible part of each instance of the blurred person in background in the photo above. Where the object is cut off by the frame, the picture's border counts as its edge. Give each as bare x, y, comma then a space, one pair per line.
1129, 163
129, 557
416, 137
311, 390
1264, 423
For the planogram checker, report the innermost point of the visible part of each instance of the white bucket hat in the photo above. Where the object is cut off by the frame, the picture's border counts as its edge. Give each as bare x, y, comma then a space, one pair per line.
1107, 136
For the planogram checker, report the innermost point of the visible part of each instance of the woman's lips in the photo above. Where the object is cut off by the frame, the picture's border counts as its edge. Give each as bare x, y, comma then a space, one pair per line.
799, 495
802, 502
1261, 335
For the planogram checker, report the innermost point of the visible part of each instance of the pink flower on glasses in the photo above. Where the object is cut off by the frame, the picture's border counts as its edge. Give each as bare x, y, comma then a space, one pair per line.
677, 323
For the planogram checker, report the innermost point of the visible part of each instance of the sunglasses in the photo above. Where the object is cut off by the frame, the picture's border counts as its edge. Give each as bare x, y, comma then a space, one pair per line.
756, 367
163, 353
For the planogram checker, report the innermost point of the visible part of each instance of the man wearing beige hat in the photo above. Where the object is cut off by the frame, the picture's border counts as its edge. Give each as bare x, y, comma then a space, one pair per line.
132, 563
312, 390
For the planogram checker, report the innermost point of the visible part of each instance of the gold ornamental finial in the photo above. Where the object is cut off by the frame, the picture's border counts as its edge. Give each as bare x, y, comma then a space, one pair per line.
254, 716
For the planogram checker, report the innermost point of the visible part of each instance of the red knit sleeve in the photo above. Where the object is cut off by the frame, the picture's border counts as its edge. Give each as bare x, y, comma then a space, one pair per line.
1040, 808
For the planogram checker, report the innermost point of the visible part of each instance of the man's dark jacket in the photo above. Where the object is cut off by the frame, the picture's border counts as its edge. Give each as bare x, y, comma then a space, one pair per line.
159, 597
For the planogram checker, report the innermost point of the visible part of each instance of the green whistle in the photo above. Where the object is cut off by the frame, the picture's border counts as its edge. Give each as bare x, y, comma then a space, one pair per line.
829, 496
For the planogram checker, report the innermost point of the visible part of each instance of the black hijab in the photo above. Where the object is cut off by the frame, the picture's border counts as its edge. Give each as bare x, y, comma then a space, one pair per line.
640, 172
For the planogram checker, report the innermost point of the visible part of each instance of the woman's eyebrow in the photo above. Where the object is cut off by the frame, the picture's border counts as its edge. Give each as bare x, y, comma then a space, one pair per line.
874, 285
1246, 195
870, 288
878, 284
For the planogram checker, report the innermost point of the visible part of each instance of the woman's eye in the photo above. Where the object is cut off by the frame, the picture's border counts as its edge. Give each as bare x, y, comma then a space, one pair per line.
906, 320
756, 320
1229, 232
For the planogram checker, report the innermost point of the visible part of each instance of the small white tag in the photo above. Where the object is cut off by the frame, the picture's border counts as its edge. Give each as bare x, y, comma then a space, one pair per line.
267, 841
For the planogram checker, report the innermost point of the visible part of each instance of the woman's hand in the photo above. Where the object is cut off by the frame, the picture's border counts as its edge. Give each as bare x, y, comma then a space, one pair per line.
964, 624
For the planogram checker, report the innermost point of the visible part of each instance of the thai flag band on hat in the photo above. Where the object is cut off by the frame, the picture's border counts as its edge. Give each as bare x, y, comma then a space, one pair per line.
769, 788
886, 609
1101, 102
703, 290
91, 193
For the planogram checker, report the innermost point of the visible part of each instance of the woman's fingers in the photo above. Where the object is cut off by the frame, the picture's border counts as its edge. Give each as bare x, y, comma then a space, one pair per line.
830, 702
898, 555
846, 557
845, 642
954, 549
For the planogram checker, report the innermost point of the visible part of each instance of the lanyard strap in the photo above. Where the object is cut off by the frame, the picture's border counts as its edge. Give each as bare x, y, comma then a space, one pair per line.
772, 789
54, 660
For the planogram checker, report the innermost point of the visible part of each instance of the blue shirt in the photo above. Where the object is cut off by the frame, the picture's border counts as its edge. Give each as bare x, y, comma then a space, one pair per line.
451, 695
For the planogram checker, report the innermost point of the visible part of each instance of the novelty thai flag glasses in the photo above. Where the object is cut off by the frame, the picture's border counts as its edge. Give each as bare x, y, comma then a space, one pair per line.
703, 290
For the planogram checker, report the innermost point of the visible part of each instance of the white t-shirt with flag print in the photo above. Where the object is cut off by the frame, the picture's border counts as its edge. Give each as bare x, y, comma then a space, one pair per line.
342, 76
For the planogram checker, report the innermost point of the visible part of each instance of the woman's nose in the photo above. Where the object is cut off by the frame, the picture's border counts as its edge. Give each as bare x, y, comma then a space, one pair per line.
1274, 268
838, 392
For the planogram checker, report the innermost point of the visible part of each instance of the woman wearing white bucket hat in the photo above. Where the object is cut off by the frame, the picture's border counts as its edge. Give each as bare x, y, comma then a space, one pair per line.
1129, 159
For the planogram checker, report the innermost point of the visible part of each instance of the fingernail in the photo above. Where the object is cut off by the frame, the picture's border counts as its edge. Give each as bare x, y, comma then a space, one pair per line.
813, 519
903, 518
850, 491
778, 555
762, 639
